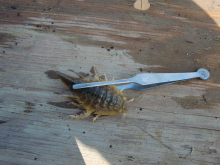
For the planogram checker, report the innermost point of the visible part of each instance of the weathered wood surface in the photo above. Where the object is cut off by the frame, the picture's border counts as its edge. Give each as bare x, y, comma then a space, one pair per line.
174, 124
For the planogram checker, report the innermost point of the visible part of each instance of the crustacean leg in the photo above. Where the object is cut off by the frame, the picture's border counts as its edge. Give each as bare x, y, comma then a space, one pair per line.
96, 117
74, 103
131, 100
81, 115
95, 73
76, 73
77, 105
122, 89
123, 116
105, 77
71, 96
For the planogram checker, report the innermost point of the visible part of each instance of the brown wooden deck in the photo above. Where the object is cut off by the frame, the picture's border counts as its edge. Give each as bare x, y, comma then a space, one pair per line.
176, 124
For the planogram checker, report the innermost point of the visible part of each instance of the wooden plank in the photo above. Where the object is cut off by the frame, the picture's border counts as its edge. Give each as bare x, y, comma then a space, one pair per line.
173, 124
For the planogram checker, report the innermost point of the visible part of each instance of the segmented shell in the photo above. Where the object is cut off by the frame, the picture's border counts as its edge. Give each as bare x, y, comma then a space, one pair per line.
100, 100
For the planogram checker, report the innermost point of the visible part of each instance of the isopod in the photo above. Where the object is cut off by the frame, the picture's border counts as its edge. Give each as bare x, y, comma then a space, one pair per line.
100, 100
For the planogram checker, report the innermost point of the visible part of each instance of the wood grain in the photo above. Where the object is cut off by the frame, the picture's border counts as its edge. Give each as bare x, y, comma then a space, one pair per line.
173, 124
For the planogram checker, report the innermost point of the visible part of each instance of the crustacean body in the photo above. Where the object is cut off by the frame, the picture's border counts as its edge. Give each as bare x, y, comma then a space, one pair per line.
100, 100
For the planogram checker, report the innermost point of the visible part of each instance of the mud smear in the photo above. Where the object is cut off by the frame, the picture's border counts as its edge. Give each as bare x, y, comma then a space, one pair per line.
51, 74
211, 98
63, 104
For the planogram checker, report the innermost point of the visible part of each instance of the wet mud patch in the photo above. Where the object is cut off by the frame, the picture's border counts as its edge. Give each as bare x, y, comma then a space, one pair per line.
211, 98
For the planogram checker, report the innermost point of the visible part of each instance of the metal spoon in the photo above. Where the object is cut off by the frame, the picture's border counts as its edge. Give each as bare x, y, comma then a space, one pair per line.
151, 78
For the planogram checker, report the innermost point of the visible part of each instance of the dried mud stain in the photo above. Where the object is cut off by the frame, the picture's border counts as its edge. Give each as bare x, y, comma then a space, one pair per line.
211, 98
